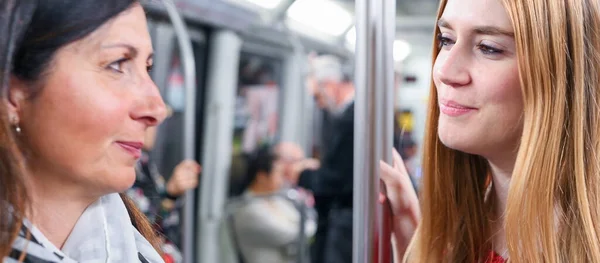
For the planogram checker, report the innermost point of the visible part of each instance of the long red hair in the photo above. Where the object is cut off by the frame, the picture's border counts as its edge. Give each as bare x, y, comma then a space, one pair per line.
553, 205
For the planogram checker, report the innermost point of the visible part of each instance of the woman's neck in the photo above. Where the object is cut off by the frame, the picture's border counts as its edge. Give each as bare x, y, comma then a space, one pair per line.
55, 209
260, 189
501, 171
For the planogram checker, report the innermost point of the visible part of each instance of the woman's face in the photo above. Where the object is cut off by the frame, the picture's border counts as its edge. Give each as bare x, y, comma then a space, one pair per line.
85, 128
477, 79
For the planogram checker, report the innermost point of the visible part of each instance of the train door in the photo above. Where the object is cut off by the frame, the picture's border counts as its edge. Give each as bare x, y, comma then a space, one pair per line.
240, 119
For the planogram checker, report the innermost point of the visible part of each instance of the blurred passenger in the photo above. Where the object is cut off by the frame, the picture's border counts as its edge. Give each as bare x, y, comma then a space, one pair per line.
323, 119
291, 155
511, 160
267, 225
77, 99
157, 198
332, 182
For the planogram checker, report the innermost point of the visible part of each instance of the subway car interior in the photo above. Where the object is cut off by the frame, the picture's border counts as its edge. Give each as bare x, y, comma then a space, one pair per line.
235, 76
299, 131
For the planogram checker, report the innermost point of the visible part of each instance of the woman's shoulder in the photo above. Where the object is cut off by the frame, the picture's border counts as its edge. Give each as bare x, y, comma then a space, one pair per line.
97, 236
31, 246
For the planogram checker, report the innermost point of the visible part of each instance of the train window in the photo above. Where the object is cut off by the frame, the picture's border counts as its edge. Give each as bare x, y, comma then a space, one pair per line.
175, 89
257, 111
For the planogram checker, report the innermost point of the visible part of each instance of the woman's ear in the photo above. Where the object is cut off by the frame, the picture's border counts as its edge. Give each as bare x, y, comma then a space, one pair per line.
17, 95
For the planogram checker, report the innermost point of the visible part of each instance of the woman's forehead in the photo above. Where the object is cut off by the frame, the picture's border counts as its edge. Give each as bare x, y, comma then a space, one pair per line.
471, 14
127, 29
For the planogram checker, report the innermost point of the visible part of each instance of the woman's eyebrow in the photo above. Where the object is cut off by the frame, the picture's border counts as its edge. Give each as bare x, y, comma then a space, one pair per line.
480, 30
132, 50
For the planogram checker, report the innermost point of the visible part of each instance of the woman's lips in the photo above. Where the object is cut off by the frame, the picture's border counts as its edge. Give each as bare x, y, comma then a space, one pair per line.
454, 109
133, 148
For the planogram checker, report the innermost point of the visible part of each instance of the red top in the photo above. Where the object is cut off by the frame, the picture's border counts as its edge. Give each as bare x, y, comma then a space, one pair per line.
493, 257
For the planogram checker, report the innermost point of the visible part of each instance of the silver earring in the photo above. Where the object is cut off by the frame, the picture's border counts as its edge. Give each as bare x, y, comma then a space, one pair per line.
16, 122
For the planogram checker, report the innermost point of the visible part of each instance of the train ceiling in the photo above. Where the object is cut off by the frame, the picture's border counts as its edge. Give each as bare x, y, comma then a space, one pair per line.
333, 20
328, 23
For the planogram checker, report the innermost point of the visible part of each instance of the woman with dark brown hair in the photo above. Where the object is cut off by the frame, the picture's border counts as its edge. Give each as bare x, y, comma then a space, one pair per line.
77, 101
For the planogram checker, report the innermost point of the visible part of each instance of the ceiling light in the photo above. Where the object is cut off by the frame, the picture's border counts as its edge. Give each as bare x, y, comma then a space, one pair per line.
264, 4
322, 15
401, 50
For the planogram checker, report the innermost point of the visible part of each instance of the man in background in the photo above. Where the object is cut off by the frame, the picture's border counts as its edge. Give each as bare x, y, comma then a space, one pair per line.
332, 183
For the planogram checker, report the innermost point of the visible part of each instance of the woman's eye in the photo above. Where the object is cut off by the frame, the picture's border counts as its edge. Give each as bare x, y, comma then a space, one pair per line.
444, 41
487, 50
149, 68
118, 65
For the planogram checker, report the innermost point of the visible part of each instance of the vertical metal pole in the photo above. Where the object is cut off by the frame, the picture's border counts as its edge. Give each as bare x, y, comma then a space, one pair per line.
365, 174
387, 133
292, 94
189, 117
221, 85
372, 127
